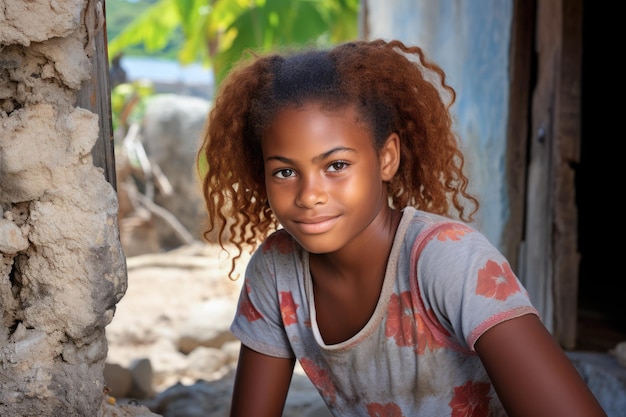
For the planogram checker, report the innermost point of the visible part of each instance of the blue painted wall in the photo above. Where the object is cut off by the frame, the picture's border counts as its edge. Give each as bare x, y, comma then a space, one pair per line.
470, 41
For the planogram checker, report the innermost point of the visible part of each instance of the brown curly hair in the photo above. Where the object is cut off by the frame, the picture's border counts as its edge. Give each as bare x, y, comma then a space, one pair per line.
394, 88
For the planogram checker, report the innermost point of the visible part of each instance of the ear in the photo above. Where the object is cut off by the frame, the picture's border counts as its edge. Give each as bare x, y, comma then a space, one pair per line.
389, 157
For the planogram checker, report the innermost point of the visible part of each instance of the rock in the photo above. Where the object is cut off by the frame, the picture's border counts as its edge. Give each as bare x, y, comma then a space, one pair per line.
619, 352
141, 371
171, 132
208, 325
202, 399
118, 380
204, 362
110, 408
11, 239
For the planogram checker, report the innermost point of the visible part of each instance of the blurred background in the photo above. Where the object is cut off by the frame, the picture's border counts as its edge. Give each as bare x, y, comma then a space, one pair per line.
166, 58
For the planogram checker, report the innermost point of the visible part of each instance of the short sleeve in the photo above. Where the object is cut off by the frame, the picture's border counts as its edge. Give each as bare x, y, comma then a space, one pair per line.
258, 323
465, 283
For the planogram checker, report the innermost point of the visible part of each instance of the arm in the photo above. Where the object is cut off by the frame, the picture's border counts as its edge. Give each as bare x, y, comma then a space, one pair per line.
261, 384
531, 373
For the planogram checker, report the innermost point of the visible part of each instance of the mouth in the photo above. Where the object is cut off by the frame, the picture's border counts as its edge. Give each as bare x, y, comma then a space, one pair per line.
316, 225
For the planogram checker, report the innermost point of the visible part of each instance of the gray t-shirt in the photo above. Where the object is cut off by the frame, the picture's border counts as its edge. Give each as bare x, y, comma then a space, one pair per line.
445, 285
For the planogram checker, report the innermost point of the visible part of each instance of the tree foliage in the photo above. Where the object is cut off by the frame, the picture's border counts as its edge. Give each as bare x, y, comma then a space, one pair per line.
217, 32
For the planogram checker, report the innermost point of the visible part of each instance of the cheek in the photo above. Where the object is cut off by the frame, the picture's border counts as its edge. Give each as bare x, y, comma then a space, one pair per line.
362, 193
366, 182
277, 198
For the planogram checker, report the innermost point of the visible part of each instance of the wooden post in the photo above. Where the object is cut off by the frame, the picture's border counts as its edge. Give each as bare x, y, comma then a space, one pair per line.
95, 94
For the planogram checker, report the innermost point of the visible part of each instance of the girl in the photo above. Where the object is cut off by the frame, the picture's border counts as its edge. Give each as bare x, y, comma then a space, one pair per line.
344, 166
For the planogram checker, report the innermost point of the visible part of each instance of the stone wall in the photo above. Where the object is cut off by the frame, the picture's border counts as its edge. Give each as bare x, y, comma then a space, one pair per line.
62, 269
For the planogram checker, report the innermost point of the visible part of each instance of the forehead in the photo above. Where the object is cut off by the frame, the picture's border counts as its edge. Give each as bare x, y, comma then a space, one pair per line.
313, 126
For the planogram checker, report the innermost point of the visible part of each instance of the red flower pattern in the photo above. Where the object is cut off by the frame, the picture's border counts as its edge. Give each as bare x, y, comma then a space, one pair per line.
497, 281
288, 308
319, 377
425, 338
246, 308
384, 410
399, 320
400, 325
471, 400
455, 232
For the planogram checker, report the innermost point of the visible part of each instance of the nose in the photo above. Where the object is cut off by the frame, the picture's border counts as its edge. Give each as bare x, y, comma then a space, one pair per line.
311, 193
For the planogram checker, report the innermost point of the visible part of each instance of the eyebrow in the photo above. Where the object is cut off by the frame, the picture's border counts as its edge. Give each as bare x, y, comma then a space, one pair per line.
315, 159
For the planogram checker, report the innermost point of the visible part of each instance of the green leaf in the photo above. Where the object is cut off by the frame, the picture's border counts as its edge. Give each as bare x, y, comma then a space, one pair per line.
217, 32
154, 29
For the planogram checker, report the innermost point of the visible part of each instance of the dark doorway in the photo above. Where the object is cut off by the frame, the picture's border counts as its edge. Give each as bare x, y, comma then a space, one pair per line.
601, 297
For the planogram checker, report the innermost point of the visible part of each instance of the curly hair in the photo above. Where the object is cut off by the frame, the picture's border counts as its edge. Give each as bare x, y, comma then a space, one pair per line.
393, 87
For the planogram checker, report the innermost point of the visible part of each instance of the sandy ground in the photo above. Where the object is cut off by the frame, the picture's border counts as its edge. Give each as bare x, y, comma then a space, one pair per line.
163, 290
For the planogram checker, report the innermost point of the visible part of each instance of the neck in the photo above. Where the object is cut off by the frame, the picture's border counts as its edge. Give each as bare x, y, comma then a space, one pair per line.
366, 256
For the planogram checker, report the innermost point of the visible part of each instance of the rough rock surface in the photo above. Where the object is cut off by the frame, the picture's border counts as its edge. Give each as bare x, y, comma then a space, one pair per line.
62, 269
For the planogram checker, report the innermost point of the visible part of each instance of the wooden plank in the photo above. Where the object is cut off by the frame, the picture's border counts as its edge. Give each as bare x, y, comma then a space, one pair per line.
551, 259
538, 274
95, 93
520, 57
566, 158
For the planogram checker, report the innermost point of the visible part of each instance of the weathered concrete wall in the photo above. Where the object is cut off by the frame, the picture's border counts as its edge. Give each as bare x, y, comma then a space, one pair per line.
62, 269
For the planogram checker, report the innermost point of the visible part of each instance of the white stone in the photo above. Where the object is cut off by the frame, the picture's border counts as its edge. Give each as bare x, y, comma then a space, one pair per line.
11, 239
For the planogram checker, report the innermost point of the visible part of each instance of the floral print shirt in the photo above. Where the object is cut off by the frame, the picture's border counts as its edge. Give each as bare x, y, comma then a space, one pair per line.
445, 285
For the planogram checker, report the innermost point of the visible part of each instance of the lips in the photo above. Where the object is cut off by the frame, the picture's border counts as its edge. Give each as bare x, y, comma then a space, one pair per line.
316, 225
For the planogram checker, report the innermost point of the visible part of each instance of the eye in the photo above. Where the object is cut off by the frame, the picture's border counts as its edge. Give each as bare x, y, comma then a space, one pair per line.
337, 166
284, 173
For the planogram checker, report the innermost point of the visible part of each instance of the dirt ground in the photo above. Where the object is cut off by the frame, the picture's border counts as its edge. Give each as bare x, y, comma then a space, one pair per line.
163, 290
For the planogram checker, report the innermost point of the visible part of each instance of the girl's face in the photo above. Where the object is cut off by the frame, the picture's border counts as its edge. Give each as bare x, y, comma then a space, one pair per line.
324, 179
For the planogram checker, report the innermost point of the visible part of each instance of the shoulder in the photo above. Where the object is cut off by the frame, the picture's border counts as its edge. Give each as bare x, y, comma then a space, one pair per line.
422, 227
446, 252
277, 251
443, 240
278, 242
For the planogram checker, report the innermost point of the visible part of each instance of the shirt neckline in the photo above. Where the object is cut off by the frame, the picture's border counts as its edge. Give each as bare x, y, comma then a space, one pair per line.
385, 294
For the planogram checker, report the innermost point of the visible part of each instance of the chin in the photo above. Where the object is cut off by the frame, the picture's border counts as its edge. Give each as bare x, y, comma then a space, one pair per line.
316, 252
318, 248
